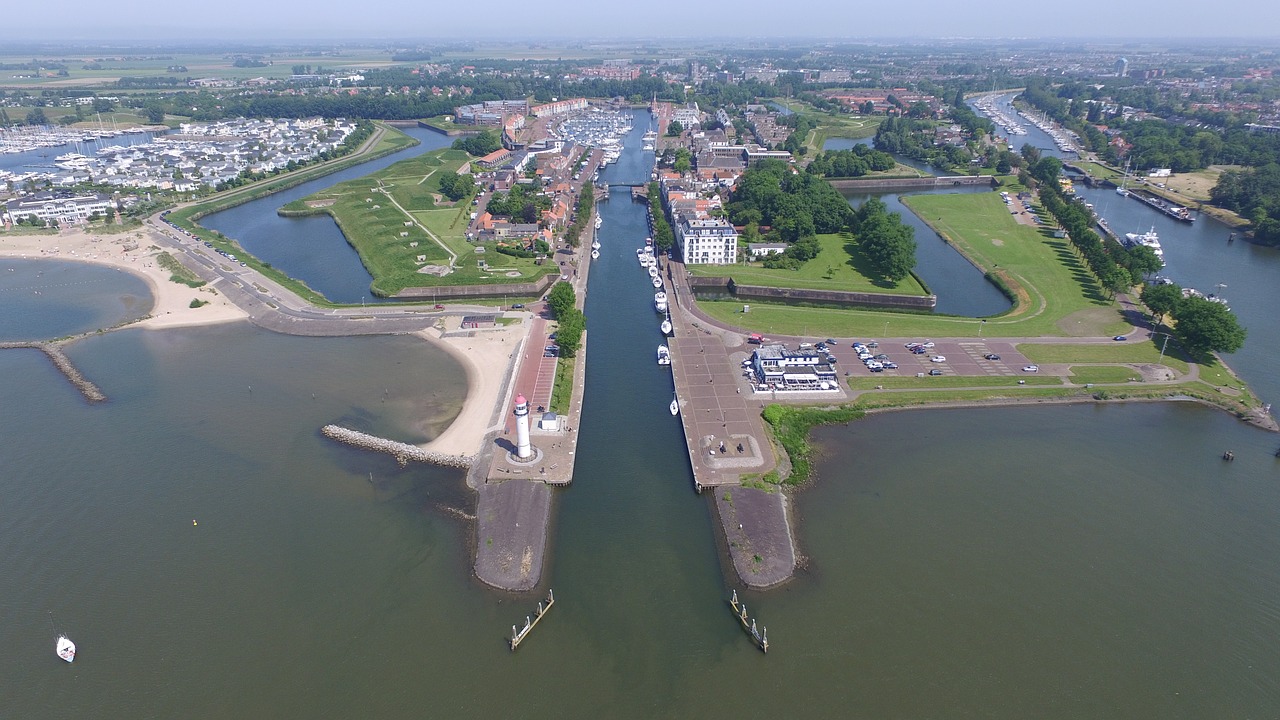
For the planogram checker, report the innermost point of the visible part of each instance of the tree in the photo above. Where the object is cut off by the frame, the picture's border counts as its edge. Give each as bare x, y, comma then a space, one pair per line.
1205, 326
155, 113
1161, 299
561, 298
478, 145
674, 128
569, 333
37, 117
456, 186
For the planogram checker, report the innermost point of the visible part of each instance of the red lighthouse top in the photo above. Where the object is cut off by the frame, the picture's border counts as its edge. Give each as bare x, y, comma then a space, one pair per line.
520, 400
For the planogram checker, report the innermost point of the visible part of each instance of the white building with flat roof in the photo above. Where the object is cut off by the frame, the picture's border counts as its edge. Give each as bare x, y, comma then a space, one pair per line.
706, 240
54, 209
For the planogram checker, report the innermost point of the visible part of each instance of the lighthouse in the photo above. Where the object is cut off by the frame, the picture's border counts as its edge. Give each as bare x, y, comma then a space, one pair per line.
523, 450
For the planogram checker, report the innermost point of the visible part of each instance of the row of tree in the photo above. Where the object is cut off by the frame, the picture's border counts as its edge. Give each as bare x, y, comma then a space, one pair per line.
663, 237
478, 145
1078, 223
572, 323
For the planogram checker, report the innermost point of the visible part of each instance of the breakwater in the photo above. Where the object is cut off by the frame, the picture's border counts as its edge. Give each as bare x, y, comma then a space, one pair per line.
402, 452
60, 360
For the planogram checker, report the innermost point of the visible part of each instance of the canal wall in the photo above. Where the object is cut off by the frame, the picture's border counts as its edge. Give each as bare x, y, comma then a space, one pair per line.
64, 365
711, 285
402, 452
493, 290
924, 183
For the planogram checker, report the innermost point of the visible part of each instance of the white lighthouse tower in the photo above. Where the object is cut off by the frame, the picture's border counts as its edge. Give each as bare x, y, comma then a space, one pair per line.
523, 450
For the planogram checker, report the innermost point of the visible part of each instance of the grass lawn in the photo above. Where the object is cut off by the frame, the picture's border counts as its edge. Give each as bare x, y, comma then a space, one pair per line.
1196, 185
1082, 374
1056, 293
398, 222
907, 399
1140, 352
562, 391
948, 381
840, 266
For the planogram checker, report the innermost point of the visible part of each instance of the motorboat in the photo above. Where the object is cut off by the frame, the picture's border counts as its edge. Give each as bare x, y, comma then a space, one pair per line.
595, 245
664, 355
657, 282
660, 301
653, 271
675, 408
595, 254
66, 648
599, 221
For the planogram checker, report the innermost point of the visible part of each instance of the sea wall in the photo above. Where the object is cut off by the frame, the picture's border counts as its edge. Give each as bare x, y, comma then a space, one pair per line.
457, 292
703, 286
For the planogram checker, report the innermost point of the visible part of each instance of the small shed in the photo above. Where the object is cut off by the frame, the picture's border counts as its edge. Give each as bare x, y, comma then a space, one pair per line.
550, 421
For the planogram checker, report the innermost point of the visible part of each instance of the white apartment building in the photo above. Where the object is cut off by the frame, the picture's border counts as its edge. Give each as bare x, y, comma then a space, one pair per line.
706, 240
54, 210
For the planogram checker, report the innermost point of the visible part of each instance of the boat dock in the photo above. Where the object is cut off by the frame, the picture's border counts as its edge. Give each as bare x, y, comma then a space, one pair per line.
758, 636
1178, 213
530, 622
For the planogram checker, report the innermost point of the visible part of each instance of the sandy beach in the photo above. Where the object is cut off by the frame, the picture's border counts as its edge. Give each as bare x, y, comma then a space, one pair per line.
172, 301
486, 356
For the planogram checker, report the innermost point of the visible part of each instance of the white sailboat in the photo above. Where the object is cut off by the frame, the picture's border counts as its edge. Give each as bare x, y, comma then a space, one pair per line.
66, 648
665, 326
595, 254
675, 406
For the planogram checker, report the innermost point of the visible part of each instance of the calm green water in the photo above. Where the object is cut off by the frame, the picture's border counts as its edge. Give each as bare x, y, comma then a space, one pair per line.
1057, 562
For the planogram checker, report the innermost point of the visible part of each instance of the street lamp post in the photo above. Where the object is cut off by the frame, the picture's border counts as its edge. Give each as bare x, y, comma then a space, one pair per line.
886, 328
981, 325
1163, 345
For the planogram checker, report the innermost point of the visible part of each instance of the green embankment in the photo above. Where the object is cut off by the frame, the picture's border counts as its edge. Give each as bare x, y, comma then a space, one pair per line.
409, 235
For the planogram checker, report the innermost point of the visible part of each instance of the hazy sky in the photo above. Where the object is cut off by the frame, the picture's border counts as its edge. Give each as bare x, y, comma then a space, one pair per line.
167, 21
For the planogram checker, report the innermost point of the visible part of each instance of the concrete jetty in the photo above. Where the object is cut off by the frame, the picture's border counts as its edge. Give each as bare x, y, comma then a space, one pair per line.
727, 440
60, 360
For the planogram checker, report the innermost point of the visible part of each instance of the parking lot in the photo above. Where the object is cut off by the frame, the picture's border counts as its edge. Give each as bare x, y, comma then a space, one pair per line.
963, 357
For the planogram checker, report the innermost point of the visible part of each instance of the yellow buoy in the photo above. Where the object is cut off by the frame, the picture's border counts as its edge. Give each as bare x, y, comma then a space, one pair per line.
193, 522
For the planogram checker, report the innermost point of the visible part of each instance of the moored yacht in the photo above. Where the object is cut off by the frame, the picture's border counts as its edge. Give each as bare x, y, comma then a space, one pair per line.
664, 355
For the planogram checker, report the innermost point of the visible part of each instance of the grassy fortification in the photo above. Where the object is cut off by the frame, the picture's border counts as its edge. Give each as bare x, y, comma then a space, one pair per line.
409, 234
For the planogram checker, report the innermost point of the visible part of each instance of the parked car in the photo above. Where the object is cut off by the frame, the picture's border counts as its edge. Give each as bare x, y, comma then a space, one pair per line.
927, 344
1120, 338
1031, 368
518, 306
873, 344
882, 356
991, 356
938, 358
935, 371
439, 306
918, 350
829, 341
890, 365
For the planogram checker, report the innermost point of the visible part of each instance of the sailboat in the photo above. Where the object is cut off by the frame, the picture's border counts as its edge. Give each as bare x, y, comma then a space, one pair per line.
595, 254
665, 327
1123, 190
66, 648
675, 406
